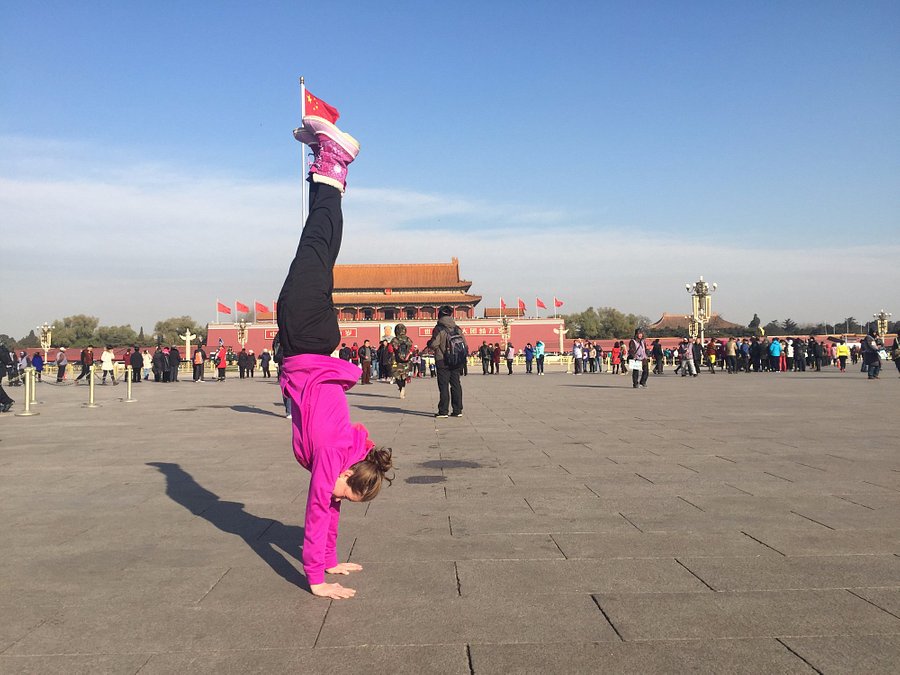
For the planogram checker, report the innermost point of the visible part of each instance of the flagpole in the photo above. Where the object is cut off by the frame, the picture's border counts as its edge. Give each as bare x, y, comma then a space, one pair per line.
217, 310
303, 194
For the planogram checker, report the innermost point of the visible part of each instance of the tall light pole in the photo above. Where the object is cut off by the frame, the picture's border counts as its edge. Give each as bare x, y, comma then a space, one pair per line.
882, 319
46, 335
701, 303
242, 333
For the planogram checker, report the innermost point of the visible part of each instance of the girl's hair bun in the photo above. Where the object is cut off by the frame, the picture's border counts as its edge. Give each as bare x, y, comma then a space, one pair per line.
381, 458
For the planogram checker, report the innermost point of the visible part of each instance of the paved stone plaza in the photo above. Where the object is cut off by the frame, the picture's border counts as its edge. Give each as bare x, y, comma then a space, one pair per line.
566, 524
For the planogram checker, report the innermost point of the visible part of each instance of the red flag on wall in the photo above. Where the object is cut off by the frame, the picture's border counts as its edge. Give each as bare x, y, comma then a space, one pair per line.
540, 303
261, 307
224, 309
502, 304
557, 302
521, 305
241, 307
317, 107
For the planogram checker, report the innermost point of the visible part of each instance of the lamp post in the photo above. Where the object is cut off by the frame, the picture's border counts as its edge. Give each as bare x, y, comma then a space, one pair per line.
692, 327
187, 337
46, 335
242, 333
701, 303
561, 332
882, 319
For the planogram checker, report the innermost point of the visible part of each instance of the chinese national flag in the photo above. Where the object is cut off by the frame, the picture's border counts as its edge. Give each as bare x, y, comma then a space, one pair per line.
521, 305
502, 304
224, 309
261, 308
318, 108
557, 302
540, 303
241, 307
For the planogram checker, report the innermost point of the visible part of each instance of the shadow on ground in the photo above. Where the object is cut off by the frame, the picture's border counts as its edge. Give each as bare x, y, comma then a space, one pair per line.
254, 409
262, 535
401, 411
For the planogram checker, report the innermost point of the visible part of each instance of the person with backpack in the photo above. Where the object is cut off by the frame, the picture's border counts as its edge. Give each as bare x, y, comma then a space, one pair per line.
450, 353
400, 348
199, 359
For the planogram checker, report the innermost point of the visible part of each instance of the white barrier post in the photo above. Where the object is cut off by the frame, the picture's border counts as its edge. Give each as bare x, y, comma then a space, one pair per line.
29, 387
91, 403
128, 398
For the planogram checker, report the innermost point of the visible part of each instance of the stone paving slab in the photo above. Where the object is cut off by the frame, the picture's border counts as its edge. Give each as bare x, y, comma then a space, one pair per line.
526, 577
714, 656
871, 654
165, 535
687, 616
742, 574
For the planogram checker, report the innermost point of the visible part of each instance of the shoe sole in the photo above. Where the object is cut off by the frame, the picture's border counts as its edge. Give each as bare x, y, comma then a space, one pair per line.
305, 136
322, 126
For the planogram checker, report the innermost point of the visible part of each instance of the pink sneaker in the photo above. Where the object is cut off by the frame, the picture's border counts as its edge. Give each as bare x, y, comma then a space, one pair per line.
320, 127
334, 151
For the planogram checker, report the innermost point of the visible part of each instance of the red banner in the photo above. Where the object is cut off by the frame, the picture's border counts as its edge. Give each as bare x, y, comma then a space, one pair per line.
261, 307
241, 307
224, 309
540, 303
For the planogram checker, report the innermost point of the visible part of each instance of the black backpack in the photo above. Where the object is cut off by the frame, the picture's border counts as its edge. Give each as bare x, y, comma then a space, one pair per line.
457, 351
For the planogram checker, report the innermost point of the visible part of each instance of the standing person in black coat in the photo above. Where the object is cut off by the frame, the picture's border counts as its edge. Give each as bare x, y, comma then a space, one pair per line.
136, 363
264, 360
160, 365
199, 361
243, 360
449, 387
174, 362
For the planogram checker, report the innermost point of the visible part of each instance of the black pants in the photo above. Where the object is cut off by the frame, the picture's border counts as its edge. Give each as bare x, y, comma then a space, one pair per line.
85, 369
485, 366
540, 364
640, 376
307, 322
265, 370
509, 363
4, 397
450, 390
198, 371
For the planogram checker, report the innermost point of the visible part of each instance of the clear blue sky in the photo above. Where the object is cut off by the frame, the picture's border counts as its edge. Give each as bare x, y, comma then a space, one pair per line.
602, 152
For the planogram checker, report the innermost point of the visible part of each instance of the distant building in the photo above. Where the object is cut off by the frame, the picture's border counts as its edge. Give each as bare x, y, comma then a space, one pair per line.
682, 322
401, 292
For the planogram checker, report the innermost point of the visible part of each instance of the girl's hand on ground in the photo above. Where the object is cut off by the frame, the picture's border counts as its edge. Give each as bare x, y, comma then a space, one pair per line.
333, 591
344, 568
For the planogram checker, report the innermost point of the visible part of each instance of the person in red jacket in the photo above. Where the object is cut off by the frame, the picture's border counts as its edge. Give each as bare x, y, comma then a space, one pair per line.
221, 362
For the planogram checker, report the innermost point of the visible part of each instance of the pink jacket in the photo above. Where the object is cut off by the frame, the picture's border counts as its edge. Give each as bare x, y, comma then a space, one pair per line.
325, 443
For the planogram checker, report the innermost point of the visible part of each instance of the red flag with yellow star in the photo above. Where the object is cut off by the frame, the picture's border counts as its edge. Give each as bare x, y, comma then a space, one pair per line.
318, 108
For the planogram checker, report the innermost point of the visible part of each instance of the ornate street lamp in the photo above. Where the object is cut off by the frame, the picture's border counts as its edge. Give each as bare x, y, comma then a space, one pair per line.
701, 303
882, 319
46, 335
242, 333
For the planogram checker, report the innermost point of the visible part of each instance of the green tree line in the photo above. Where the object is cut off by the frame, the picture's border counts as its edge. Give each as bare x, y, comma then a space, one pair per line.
81, 330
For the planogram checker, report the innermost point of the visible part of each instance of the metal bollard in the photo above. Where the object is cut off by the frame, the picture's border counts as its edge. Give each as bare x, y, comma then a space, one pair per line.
128, 398
91, 403
33, 386
29, 389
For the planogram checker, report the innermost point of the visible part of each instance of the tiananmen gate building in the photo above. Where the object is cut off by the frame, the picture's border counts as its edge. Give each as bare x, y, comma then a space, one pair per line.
371, 299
